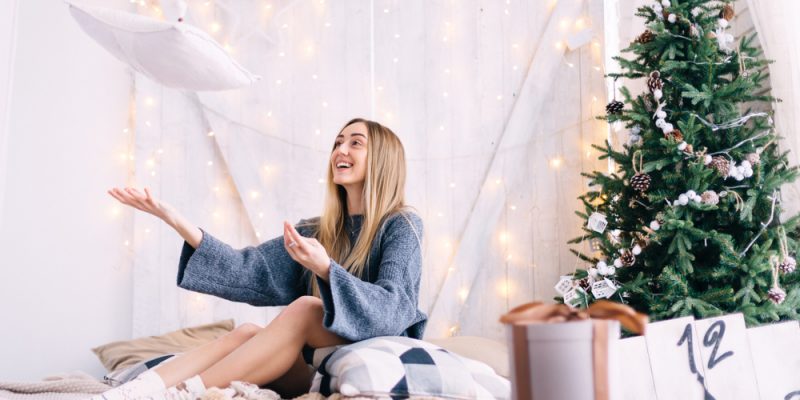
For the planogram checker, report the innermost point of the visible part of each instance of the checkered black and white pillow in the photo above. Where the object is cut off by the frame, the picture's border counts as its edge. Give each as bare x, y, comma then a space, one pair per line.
399, 367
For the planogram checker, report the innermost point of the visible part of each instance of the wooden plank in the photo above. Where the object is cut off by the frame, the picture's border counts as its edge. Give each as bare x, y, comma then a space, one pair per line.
678, 372
491, 200
725, 354
634, 379
775, 350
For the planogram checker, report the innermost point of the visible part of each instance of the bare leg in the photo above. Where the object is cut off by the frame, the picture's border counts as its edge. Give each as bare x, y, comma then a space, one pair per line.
274, 350
294, 382
201, 358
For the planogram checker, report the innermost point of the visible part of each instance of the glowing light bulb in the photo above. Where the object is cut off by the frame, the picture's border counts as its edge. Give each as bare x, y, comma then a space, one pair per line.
504, 237
210, 133
452, 184
253, 194
215, 27
149, 101
210, 163
463, 294
556, 162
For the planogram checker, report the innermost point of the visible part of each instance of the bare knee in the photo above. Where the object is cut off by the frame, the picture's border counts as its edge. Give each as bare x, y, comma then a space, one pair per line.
304, 308
244, 332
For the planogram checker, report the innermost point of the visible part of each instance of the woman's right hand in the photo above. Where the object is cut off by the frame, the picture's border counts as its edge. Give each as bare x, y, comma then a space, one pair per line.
144, 202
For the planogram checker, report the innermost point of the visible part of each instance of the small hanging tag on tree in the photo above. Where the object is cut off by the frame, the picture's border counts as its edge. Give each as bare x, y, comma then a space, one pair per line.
564, 285
597, 222
603, 289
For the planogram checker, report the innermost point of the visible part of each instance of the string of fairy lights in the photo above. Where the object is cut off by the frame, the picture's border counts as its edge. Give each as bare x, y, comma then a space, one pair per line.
274, 26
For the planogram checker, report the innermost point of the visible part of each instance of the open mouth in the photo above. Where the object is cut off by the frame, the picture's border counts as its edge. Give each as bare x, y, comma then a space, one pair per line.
343, 166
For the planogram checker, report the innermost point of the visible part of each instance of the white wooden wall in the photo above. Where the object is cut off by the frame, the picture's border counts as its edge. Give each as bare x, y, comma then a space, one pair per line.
449, 77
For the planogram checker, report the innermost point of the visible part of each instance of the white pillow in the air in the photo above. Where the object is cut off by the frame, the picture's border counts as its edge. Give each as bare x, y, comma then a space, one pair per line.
174, 54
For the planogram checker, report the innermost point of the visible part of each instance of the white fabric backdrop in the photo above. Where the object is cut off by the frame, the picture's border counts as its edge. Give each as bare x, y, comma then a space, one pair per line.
8, 41
495, 114
780, 40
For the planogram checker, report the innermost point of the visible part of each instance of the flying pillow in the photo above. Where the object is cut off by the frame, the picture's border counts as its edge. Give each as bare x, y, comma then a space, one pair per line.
174, 54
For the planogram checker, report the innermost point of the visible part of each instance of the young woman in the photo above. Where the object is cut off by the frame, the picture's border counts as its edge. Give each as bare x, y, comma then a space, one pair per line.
351, 274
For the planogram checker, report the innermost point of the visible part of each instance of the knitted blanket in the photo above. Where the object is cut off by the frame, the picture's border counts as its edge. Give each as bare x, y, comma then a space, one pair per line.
77, 385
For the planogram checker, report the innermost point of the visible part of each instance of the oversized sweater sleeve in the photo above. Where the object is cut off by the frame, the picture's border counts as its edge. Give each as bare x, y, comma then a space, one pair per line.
356, 309
263, 275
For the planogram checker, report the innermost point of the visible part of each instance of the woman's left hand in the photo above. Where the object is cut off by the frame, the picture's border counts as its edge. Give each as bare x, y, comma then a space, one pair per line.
306, 251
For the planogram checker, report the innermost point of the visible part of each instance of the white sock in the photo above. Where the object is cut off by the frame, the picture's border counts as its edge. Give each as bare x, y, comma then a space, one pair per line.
195, 385
146, 384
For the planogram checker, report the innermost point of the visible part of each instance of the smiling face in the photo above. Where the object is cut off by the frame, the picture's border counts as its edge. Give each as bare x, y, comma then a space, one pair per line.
349, 155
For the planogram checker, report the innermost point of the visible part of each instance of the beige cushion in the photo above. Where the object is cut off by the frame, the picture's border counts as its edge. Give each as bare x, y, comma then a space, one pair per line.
125, 353
489, 351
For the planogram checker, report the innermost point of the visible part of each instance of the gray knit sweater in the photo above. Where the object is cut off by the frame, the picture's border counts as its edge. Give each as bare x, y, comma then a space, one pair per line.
382, 302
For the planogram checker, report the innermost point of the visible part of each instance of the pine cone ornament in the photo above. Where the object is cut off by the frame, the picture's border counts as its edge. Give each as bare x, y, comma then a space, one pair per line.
641, 182
754, 158
727, 12
788, 265
776, 295
654, 81
646, 37
721, 164
675, 134
710, 197
614, 108
627, 258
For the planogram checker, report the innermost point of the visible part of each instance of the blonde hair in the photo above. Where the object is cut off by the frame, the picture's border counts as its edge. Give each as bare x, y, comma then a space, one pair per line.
384, 194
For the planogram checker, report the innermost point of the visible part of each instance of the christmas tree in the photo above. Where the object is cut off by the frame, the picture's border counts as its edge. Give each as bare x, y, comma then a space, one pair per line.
690, 222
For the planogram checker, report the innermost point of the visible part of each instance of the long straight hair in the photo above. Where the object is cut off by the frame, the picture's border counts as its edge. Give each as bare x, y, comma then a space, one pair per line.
384, 194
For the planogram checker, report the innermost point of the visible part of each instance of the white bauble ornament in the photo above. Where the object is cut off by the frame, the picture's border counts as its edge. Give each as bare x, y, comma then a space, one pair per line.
654, 225
618, 263
723, 193
592, 272
748, 173
657, 8
601, 264
723, 22
660, 122
683, 199
636, 250
692, 194
682, 146
661, 114
746, 165
739, 177
672, 18
665, 3
657, 93
707, 160
611, 270
667, 128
